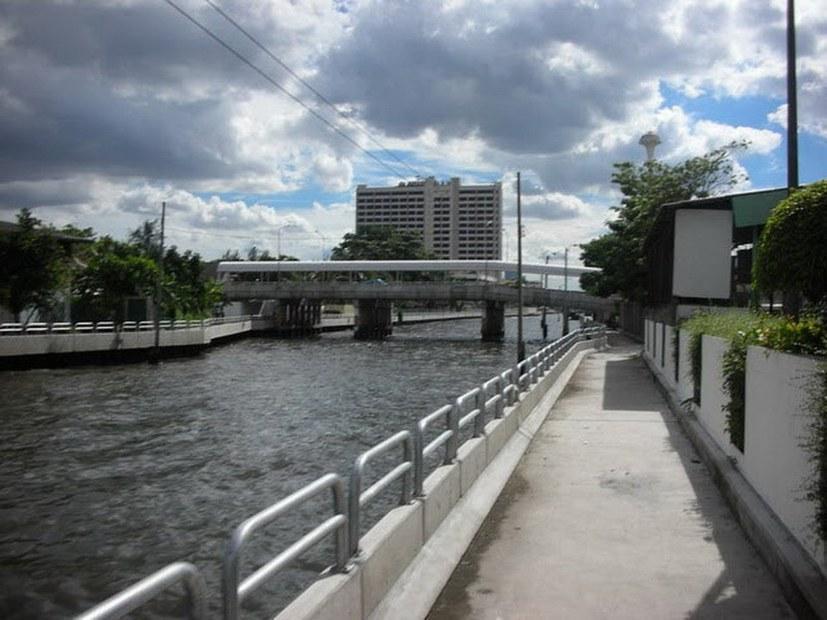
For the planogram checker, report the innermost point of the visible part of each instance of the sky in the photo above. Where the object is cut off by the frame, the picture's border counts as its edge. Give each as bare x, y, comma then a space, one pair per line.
109, 107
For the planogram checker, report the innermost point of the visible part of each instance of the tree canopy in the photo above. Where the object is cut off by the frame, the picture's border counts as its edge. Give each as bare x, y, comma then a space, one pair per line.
792, 255
380, 243
645, 187
34, 264
115, 272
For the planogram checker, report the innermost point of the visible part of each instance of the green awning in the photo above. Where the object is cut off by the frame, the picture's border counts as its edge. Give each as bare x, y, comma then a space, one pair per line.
754, 209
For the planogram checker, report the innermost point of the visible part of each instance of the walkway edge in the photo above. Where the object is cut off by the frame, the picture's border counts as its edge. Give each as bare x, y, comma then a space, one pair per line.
798, 576
416, 590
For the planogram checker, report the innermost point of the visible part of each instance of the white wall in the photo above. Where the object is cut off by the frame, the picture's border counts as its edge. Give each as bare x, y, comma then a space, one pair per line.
713, 398
703, 238
777, 424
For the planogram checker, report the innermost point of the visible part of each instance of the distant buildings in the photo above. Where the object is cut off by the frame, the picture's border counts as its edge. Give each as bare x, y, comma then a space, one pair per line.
455, 221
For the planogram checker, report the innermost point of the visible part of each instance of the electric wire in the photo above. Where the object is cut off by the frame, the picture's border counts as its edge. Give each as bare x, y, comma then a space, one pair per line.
250, 64
310, 87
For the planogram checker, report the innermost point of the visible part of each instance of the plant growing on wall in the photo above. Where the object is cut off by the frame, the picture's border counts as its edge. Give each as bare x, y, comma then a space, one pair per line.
816, 444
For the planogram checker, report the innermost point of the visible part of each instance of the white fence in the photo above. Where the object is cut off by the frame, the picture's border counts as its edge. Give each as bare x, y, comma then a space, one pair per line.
85, 337
776, 421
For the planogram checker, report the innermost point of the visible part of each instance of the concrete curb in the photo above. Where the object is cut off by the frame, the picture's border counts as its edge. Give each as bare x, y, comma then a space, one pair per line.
799, 577
418, 587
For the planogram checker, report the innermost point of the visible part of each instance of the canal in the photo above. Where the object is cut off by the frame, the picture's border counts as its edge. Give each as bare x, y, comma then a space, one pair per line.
109, 473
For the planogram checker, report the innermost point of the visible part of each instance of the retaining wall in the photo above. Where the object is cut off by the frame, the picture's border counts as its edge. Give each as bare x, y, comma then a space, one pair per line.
764, 483
407, 557
55, 349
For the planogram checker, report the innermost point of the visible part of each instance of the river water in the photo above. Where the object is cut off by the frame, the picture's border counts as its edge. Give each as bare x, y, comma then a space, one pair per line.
109, 473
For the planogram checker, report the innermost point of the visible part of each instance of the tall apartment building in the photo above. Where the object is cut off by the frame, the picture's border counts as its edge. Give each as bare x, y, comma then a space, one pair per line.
455, 221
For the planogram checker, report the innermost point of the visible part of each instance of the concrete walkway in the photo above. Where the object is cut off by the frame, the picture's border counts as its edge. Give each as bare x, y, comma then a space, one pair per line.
611, 514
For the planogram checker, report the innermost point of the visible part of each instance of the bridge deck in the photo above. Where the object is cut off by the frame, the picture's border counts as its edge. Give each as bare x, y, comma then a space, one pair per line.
611, 514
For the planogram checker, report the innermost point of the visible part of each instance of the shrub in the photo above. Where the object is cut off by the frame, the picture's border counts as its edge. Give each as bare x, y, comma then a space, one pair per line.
792, 255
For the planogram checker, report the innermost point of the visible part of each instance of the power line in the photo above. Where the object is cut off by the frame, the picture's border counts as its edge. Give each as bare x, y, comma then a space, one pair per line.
249, 63
332, 106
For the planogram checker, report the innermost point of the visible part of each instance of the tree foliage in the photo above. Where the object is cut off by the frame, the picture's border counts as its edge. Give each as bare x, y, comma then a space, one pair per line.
115, 272
645, 187
380, 243
33, 265
792, 253
185, 292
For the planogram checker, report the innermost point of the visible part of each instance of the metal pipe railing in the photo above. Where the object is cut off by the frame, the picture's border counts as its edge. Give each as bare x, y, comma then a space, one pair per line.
472, 415
137, 595
423, 450
235, 593
358, 498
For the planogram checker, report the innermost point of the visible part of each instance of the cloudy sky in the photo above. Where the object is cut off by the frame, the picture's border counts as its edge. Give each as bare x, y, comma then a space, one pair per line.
108, 107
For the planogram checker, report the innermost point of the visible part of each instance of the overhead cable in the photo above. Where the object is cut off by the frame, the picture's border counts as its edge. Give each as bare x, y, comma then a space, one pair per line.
250, 64
310, 87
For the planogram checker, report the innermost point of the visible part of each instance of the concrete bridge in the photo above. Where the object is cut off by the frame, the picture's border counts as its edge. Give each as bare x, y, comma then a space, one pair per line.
298, 302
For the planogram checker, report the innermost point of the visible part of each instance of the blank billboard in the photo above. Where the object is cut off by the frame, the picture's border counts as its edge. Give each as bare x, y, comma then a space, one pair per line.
703, 241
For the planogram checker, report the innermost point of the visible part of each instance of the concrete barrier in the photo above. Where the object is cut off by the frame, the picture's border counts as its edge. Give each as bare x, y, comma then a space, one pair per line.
442, 491
472, 459
385, 551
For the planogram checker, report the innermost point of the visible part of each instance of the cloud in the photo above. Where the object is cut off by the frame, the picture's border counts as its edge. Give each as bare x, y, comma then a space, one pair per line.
334, 175
109, 106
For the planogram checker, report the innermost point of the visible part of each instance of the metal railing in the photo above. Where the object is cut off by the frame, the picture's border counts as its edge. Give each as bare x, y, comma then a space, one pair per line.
137, 595
358, 498
86, 327
447, 438
499, 392
235, 593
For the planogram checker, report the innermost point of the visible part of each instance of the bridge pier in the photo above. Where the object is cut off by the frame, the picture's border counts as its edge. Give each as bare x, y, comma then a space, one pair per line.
373, 319
493, 321
298, 317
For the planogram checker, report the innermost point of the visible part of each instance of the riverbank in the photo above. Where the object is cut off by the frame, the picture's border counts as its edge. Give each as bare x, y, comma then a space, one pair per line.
60, 345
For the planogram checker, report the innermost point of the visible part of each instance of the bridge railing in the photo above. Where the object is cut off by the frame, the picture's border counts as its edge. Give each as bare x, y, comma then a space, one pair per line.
492, 396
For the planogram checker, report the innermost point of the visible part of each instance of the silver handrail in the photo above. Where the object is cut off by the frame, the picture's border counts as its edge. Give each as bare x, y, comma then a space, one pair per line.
235, 593
358, 498
149, 587
498, 400
466, 417
423, 451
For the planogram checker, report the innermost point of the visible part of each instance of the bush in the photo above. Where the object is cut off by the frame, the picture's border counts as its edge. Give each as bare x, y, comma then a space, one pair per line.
792, 254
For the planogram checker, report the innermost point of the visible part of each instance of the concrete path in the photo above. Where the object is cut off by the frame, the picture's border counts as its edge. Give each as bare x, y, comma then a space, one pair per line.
611, 514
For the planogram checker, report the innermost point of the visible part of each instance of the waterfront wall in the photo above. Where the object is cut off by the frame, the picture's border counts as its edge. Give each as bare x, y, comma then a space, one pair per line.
88, 342
774, 464
406, 558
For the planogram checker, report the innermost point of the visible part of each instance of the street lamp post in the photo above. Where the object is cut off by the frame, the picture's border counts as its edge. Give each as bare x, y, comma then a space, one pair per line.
520, 341
543, 322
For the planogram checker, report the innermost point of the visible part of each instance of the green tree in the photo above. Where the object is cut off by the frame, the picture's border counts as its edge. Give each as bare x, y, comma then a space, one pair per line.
645, 187
32, 265
115, 272
792, 255
380, 243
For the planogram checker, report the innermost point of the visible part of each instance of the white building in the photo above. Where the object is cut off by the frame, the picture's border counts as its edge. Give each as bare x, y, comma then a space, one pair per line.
456, 222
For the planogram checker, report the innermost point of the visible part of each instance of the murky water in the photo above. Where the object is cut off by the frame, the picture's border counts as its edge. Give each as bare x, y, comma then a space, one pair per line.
109, 473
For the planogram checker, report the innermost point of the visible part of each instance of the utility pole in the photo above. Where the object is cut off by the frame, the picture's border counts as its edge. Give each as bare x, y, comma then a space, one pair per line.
566, 291
543, 323
158, 286
520, 341
792, 101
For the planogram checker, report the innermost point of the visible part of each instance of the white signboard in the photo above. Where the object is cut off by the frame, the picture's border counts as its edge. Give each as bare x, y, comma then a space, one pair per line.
703, 241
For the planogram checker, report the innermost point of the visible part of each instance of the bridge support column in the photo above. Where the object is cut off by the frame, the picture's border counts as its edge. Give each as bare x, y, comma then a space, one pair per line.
298, 317
373, 319
493, 321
